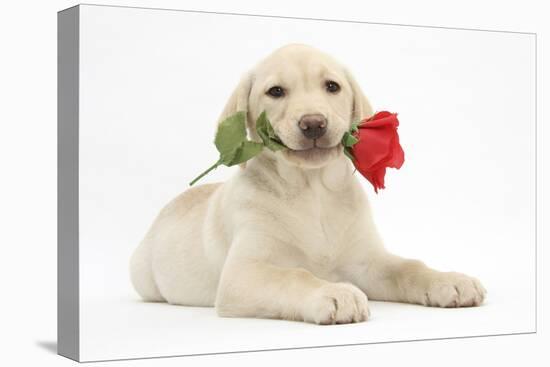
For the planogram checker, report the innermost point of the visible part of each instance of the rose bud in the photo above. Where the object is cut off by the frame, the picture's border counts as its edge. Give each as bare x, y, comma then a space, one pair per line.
377, 147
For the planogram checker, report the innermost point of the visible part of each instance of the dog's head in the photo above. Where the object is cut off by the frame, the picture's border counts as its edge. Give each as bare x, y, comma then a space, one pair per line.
309, 98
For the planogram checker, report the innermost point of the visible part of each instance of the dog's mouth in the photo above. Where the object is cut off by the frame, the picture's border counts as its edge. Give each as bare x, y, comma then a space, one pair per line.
314, 156
313, 145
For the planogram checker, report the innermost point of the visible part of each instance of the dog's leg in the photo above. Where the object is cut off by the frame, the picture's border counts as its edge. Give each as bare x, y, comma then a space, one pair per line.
259, 289
387, 277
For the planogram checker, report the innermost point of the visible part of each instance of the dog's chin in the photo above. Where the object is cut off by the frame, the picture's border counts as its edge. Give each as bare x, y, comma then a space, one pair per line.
315, 157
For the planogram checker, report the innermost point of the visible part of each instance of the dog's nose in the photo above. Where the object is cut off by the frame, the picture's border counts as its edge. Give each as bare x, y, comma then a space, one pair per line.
313, 126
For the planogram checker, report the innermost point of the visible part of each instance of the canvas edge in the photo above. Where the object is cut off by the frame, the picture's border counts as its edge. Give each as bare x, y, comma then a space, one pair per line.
68, 331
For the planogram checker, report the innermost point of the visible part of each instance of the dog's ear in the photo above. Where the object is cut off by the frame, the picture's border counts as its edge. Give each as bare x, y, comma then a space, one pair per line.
238, 101
361, 107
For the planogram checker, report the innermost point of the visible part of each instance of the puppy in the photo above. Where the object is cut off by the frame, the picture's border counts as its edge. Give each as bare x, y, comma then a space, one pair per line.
291, 235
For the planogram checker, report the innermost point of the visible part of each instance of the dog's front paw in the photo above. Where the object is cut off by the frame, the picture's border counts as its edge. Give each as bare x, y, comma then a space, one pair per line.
336, 303
454, 290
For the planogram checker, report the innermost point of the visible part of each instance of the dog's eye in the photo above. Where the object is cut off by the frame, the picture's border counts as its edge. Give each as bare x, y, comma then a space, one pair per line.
332, 87
276, 91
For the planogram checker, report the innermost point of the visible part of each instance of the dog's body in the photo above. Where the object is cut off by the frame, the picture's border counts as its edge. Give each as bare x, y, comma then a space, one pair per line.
291, 235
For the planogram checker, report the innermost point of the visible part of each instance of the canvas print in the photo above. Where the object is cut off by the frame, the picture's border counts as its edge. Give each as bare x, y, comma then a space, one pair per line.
237, 183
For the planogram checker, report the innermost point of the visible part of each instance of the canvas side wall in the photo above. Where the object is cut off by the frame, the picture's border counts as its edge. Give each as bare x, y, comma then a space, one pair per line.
67, 183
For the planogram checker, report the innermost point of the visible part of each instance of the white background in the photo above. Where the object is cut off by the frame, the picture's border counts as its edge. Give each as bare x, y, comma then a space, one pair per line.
31, 283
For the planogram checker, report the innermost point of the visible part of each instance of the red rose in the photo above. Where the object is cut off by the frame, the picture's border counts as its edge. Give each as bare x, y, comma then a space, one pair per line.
378, 147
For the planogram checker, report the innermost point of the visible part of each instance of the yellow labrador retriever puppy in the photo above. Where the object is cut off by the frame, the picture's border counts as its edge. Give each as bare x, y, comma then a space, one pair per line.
291, 235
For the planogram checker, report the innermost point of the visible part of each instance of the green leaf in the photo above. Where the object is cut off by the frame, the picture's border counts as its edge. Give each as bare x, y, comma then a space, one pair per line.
247, 150
230, 134
348, 140
274, 145
227, 158
232, 143
267, 133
